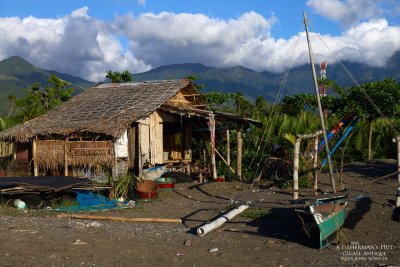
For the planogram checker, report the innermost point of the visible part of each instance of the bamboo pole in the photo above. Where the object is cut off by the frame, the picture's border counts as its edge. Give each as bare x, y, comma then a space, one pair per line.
228, 155
226, 163
212, 137
139, 129
35, 165
66, 157
315, 163
296, 168
397, 140
123, 219
342, 149
321, 115
239, 154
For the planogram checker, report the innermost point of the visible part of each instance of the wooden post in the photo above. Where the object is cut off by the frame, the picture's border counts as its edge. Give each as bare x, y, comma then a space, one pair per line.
296, 168
66, 157
228, 154
342, 149
212, 137
35, 165
315, 164
139, 150
321, 116
239, 154
397, 140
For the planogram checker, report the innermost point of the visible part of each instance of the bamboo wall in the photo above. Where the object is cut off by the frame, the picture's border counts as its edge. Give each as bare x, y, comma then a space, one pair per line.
50, 154
6, 149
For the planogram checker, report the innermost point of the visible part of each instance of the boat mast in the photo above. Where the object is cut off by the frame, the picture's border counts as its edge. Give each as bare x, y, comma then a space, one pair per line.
321, 116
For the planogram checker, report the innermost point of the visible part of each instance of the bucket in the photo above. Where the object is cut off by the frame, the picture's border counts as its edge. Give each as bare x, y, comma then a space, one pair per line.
166, 184
147, 188
221, 179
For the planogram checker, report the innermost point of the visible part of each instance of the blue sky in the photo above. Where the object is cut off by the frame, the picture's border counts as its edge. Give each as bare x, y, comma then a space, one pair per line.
85, 38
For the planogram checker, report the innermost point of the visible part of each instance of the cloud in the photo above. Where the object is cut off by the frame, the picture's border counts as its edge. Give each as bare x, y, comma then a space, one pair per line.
75, 44
167, 38
84, 46
348, 12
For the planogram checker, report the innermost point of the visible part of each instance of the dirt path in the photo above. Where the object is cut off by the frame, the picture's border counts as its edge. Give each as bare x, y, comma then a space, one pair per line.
37, 238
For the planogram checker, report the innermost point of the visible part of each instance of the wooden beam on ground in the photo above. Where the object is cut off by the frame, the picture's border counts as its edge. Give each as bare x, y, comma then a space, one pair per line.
123, 219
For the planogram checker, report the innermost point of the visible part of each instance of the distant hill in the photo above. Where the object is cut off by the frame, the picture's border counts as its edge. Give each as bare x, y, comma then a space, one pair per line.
267, 84
17, 74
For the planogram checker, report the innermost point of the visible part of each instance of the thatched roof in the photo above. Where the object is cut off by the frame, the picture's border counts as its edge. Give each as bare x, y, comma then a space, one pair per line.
107, 109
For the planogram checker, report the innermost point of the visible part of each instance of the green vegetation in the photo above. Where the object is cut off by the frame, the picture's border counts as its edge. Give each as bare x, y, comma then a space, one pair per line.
370, 138
118, 77
254, 213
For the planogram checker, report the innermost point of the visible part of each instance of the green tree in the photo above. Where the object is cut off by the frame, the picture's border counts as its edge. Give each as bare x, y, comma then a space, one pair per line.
39, 99
384, 94
118, 77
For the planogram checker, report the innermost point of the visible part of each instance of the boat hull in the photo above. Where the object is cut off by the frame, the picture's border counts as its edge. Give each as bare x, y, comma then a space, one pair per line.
328, 219
329, 225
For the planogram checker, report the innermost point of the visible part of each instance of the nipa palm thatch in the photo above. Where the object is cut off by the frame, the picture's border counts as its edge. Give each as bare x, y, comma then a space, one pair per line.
107, 109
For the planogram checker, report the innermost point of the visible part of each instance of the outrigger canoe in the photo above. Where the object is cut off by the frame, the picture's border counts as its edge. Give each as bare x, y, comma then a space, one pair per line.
327, 215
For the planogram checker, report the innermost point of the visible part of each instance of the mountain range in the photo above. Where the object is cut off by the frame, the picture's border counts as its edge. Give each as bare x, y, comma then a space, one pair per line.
17, 74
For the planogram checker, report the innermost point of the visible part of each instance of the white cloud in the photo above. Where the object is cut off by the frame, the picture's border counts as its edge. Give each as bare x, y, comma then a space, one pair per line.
81, 45
348, 12
75, 44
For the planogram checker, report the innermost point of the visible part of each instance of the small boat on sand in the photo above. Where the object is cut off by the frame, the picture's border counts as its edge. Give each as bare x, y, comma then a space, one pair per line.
327, 215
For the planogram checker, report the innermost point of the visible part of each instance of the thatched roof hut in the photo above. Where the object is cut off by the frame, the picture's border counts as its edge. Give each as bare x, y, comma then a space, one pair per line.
107, 109
111, 122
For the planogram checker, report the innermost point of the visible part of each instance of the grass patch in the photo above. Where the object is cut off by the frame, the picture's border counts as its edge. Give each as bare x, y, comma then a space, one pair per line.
258, 214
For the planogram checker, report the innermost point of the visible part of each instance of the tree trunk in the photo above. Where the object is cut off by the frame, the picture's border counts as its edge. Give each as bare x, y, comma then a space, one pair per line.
371, 124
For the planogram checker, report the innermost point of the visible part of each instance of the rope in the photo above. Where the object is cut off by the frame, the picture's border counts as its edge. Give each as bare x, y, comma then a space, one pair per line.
304, 228
273, 113
357, 84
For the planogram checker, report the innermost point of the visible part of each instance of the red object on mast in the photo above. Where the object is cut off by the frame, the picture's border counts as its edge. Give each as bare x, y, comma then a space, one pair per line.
323, 66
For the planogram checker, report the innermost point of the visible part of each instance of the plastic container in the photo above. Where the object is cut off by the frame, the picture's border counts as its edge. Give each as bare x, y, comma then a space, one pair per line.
147, 188
166, 184
221, 179
19, 204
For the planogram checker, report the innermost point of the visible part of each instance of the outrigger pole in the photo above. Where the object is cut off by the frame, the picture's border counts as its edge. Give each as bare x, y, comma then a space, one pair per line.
321, 115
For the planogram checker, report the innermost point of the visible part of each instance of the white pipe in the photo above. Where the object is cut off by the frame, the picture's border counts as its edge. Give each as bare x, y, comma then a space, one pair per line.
221, 220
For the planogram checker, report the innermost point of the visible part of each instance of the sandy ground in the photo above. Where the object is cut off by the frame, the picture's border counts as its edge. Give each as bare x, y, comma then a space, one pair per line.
369, 236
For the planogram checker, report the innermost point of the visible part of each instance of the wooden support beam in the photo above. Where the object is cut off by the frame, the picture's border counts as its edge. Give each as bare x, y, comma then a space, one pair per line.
315, 163
139, 150
228, 155
66, 157
397, 140
34, 151
296, 168
239, 154
212, 137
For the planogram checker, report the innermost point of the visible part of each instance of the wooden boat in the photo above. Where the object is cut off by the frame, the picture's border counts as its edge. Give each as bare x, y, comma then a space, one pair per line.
327, 215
